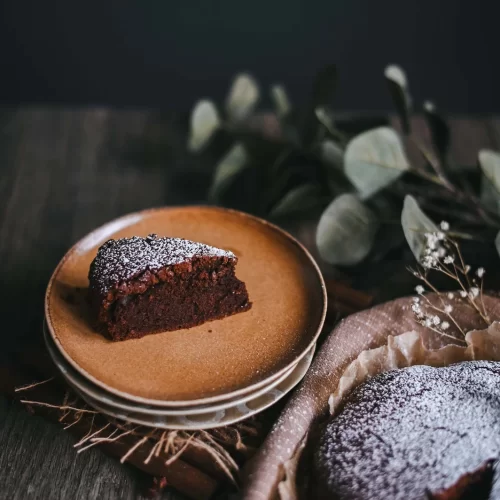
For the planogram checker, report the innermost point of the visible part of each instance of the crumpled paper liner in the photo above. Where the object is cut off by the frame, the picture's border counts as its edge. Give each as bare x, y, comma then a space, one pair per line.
271, 473
408, 349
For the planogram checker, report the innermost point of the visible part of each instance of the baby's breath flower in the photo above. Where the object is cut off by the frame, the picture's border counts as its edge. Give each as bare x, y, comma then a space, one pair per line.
417, 311
428, 262
431, 243
439, 252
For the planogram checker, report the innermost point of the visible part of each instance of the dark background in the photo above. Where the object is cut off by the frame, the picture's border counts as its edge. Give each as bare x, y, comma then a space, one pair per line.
169, 53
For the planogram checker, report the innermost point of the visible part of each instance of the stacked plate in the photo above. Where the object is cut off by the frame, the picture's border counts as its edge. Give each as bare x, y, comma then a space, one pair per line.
208, 376
216, 412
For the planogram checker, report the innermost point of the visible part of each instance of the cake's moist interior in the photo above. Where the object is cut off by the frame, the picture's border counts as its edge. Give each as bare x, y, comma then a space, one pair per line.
179, 296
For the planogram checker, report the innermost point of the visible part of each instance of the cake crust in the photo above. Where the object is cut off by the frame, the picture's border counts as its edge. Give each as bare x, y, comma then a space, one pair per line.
139, 285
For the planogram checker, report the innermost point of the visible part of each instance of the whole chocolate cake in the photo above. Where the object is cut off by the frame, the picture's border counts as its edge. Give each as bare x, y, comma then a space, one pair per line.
415, 433
146, 285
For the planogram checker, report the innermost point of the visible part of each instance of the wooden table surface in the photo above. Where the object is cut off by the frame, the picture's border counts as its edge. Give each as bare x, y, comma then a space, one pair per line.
62, 173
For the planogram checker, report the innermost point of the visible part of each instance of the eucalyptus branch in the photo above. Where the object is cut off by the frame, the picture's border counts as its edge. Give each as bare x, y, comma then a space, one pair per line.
329, 125
466, 197
433, 162
459, 214
426, 194
454, 193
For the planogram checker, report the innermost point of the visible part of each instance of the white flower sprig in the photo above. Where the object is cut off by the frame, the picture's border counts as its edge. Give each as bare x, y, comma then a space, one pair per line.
442, 254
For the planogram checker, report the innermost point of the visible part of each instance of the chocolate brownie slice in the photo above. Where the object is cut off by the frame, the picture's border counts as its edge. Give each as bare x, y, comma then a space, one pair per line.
146, 285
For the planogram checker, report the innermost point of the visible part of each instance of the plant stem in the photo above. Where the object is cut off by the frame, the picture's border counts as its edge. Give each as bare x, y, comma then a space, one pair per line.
436, 291
463, 196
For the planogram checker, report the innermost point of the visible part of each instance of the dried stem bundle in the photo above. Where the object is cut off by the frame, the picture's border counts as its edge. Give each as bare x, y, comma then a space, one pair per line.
168, 445
442, 254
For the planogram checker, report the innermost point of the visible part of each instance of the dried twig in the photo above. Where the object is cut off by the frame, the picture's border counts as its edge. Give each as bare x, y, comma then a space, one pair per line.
62, 408
33, 385
170, 444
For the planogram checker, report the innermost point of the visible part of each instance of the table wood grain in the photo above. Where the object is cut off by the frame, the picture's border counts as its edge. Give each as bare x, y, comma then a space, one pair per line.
62, 173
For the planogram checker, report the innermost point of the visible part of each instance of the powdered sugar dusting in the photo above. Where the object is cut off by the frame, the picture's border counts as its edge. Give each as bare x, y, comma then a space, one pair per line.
407, 430
125, 258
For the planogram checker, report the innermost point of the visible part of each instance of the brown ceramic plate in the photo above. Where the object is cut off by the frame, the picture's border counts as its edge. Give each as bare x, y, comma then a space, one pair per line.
225, 413
211, 362
77, 380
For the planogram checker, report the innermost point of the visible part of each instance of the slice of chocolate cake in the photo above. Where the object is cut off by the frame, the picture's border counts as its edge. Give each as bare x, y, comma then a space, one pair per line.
146, 285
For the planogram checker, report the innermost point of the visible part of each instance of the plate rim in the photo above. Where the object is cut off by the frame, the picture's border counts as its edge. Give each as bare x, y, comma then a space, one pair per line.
206, 427
121, 222
176, 411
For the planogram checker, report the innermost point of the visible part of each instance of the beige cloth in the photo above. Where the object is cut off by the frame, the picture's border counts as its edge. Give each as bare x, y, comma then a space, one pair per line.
366, 330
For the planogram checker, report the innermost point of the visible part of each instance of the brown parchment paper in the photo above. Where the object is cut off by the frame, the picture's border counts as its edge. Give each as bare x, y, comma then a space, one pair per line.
360, 332
408, 349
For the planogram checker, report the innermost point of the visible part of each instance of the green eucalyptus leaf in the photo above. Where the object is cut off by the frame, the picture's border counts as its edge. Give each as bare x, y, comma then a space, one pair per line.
374, 159
324, 87
497, 242
398, 87
233, 164
204, 122
282, 180
331, 154
281, 101
325, 118
415, 224
489, 161
346, 231
299, 199
243, 97
490, 198
440, 132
